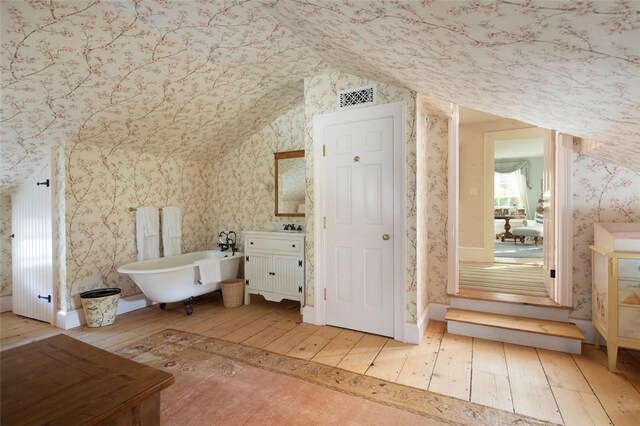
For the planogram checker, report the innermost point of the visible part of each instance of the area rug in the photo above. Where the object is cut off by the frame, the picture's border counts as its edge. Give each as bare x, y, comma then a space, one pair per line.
503, 278
517, 250
219, 382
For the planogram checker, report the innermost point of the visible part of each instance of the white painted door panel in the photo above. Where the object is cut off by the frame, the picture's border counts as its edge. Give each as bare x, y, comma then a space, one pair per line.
548, 203
359, 212
32, 248
258, 273
285, 275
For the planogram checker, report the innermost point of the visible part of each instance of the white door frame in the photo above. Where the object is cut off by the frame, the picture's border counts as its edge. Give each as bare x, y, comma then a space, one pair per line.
563, 216
320, 122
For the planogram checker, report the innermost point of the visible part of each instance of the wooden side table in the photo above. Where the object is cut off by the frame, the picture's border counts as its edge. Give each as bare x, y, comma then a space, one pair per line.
507, 227
62, 381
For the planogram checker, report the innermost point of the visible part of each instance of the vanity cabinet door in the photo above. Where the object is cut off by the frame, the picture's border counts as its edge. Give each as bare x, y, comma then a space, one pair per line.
287, 278
258, 271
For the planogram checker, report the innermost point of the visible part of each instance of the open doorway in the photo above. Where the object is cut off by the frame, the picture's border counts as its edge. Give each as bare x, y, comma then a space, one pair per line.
502, 174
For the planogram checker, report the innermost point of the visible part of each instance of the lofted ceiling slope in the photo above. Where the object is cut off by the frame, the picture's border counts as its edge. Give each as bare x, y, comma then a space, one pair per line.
193, 78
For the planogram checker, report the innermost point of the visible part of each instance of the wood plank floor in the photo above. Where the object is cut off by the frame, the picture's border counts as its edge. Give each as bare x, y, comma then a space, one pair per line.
558, 387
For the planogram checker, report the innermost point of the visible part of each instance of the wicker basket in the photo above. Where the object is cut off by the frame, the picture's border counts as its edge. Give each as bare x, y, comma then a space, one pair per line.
232, 293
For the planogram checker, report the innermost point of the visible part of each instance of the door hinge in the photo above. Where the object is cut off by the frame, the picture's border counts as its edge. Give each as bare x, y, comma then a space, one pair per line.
325, 294
46, 182
13, 235
300, 289
324, 222
300, 263
324, 150
246, 282
47, 298
246, 258
552, 273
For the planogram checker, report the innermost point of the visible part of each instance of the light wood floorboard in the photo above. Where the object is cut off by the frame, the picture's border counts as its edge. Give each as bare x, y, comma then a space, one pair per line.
570, 389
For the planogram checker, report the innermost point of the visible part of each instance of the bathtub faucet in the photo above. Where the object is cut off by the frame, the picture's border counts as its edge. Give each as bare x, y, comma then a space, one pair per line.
231, 242
224, 236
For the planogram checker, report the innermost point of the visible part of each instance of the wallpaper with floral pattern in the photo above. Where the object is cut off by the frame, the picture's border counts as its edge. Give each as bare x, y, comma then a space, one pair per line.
239, 200
437, 207
192, 78
564, 65
320, 96
179, 78
102, 183
5, 246
602, 192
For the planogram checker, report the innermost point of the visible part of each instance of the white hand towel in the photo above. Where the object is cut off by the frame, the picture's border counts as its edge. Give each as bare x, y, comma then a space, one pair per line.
171, 230
209, 271
147, 233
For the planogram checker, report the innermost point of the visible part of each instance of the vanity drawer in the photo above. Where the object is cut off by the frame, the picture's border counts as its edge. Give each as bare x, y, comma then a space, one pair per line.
274, 244
629, 269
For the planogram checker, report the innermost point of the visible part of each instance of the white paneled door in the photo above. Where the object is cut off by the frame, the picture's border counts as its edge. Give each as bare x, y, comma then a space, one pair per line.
359, 240
32, 247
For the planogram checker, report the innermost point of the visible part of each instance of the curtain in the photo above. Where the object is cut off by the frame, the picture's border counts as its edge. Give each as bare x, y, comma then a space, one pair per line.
505, 166
517, 182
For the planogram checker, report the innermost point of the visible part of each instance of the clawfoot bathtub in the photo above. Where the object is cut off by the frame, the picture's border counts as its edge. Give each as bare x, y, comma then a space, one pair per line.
176, 278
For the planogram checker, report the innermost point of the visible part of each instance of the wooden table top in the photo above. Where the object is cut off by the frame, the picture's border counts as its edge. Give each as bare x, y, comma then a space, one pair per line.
60, 380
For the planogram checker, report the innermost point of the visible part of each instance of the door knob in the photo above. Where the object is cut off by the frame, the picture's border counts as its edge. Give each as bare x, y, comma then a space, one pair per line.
356, 158
385, 237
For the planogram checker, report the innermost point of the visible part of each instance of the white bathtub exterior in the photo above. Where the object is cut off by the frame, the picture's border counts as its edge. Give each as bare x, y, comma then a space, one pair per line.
175, 278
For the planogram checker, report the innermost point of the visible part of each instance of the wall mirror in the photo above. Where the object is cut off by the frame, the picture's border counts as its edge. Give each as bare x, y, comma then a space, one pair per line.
289, 185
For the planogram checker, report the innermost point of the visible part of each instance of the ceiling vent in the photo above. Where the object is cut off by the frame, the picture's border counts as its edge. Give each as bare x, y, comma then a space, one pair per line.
358, 97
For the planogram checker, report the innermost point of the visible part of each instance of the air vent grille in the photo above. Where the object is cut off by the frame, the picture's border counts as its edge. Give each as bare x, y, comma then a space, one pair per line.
358, 97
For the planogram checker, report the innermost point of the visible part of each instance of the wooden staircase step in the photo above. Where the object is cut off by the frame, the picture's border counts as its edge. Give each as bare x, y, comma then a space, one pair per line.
509, 298
510, 322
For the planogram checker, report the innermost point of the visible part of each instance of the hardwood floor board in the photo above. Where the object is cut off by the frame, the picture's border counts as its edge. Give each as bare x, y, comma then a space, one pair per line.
489, 376
313, 344
419, 365
630, 367
617, 395
291, 338
237, 323
359, 358
278, 327
531, 393
562, 371
580, 408
271, 334
390, 360
338, 348
634, 354
254, 327
452, 371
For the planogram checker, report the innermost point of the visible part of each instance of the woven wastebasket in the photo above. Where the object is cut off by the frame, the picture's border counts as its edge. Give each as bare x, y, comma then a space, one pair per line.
100, 306
232, 293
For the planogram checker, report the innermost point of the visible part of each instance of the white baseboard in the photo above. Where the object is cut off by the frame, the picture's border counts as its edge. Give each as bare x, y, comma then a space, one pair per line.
6, 303
437, 311
475, 254
586, 327
309, 315
71, 319
413, 332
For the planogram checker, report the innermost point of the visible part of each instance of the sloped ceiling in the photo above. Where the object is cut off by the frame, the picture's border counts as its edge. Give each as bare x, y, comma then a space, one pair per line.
193, 78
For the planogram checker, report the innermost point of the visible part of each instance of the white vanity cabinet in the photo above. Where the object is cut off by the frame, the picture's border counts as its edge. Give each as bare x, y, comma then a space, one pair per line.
616, 286
274, 265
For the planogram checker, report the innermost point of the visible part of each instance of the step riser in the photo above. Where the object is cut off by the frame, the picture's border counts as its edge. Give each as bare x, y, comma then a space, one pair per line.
554, 343
529, 311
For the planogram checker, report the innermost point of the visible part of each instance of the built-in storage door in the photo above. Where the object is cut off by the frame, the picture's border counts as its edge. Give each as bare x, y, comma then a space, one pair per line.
32, 247
548, 201
286, 275
258, 272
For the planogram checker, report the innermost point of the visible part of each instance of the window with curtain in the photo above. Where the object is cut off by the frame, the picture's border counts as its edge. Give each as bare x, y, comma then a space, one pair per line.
511, 181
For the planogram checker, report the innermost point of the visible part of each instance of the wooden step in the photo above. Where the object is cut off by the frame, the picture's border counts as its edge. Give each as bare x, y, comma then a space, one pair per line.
510, 304
554, 335
509, 298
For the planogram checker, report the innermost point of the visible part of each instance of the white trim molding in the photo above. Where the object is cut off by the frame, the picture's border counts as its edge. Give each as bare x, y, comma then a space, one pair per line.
70, 319
6, 303
320, 122
437, 311
564, 220
453, 225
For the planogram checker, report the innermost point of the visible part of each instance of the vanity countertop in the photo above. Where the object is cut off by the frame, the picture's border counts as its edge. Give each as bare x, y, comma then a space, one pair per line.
274, 232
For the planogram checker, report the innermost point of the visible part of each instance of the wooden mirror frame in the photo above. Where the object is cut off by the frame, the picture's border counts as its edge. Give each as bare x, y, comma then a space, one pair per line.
283, 156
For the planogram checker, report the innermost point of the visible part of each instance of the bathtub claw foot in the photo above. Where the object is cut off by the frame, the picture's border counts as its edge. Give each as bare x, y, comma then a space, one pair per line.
163, 305
187, 306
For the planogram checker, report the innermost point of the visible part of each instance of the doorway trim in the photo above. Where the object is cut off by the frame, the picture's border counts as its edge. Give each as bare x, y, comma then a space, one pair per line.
563, 211
398, 112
